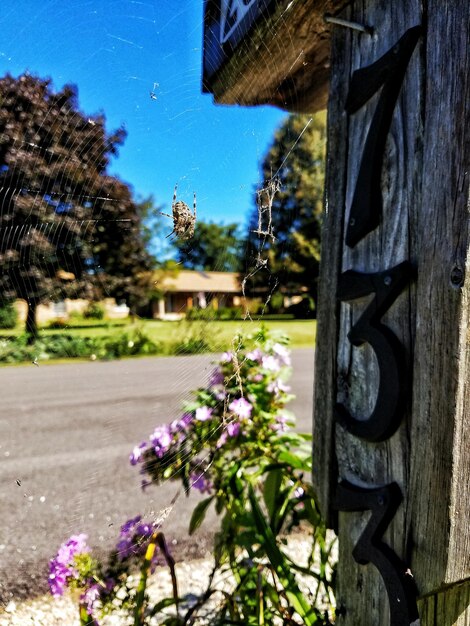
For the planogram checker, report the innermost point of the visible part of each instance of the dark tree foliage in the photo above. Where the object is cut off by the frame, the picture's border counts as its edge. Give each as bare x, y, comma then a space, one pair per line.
214, 247
67, 228
293, 257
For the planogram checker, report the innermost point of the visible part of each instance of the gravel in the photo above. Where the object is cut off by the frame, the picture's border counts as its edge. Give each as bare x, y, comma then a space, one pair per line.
49, 611
192, 577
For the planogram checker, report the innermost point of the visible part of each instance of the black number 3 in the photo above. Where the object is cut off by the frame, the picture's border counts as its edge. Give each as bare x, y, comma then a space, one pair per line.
387, 286
383, 502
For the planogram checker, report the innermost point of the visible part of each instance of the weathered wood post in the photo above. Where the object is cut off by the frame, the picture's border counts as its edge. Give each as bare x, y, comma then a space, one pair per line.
392, 390
392, 446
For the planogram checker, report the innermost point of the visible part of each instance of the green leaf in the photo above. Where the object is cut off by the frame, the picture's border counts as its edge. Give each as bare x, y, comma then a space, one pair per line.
281, 566
272, 485
292, 459
198, 514
163, 604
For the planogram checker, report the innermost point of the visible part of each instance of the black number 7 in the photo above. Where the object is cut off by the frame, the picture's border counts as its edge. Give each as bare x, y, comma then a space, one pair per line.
389, 71
387, 286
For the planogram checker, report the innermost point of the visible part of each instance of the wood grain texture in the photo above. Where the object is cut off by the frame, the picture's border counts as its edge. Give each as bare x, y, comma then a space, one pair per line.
426, 220
324, 460
439, 508
450, 607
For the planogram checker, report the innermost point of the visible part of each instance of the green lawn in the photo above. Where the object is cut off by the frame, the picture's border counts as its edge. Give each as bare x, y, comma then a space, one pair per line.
217, 334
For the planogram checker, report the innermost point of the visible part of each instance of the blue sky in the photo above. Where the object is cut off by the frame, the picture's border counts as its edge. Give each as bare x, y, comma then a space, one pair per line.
117, 52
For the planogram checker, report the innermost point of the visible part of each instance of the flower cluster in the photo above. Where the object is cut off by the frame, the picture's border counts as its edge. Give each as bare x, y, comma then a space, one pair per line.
64, 568
244, 401
134, 538
74, 568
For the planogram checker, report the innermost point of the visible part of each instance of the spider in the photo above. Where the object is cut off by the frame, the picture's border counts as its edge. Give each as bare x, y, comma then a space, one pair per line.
183, 219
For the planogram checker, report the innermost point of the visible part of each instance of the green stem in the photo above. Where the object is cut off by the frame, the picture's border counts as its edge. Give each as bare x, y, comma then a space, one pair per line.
85, 618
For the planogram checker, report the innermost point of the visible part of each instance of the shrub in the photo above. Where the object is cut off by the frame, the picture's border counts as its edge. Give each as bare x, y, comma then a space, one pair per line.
8, 316
192, 339
58, 324
210, 314
230, 313
94, 311
127, 344
65, 346
195, 314
15, 349
69, 346
276, 303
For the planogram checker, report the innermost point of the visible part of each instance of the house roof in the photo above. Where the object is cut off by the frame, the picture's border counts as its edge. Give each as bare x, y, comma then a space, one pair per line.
195, 281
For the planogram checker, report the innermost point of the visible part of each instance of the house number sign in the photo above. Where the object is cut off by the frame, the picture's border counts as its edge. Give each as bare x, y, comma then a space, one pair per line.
387, 74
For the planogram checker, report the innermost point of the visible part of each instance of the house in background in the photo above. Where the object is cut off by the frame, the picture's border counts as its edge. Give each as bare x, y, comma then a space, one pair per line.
64, 308
189, 289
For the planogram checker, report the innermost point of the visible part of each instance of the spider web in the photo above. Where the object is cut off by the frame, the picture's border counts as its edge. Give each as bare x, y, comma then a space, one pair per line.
66, 430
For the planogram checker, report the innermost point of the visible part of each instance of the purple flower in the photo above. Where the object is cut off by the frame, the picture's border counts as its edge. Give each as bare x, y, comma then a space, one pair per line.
179, 427
299, 492
186, 420
222, 440
271, 363
255, 355
57, 579
282, 353
241, 407
217, 377
161, 440
233, 429
90, 597
226, 357
62, 567
136, 454
128, 526
134, 538
277, 386
200, 482
203, 413
281, 424
219, 392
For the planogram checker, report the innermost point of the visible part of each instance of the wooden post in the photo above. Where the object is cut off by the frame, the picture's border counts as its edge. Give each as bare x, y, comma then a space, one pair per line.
392, 397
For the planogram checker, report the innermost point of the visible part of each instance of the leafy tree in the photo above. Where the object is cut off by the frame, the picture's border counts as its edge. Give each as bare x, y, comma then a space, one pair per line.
68, 229
296, 157
213, 247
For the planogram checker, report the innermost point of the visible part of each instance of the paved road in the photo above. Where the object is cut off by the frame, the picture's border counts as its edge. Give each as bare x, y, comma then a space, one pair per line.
65, 435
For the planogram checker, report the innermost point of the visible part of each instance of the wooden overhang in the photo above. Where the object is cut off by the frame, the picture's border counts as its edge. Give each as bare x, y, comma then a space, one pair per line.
268, 52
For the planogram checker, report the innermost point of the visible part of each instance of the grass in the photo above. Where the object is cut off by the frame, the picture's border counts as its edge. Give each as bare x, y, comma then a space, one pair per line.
301, 332
216, 336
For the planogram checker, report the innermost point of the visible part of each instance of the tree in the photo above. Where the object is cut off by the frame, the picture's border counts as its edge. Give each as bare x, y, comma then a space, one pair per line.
213, 247
289, 263
68, 229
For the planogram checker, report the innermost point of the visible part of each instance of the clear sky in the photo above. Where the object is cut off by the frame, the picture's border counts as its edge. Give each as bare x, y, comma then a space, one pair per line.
117, 52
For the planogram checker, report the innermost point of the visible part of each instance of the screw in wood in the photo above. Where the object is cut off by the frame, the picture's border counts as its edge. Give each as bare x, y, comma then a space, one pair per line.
330, 19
